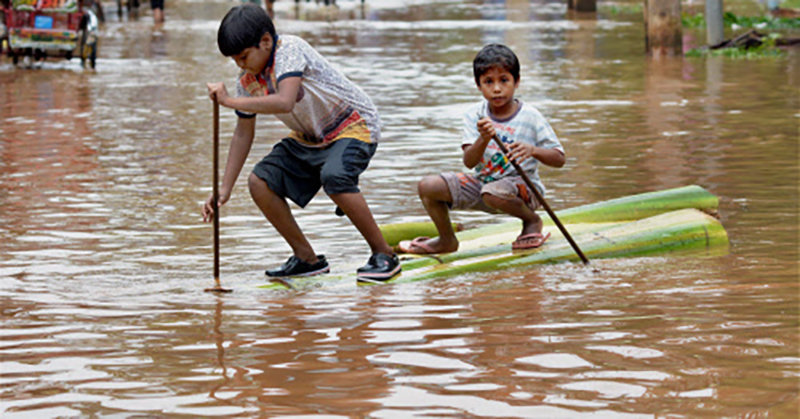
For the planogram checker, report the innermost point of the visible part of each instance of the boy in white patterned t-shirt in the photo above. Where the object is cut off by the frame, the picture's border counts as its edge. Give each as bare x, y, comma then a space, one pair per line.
335, 130
494, 185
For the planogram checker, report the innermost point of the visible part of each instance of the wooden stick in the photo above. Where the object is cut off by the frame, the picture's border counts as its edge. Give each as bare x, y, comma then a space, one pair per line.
540, 198
217, 287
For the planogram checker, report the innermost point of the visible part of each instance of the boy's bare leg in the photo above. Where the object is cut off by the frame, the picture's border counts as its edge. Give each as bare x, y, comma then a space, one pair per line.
531, 222
355, 207
277, 211
435, 196
158, 15
270, 8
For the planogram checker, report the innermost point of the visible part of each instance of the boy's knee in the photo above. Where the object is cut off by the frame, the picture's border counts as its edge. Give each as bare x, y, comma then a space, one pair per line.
430, 184
493, 201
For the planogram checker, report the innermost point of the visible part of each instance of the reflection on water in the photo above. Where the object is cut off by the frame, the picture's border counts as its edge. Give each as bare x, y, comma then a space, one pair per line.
103, 258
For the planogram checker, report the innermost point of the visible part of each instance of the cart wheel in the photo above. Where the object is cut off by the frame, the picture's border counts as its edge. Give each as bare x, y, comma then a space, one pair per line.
11, 53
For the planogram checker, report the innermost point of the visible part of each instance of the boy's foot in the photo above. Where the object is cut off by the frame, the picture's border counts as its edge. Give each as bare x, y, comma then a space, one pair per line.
380, 267
423, 246
529, 241
299, 267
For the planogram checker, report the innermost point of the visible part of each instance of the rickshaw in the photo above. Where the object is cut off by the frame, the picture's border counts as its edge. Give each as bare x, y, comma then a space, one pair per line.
48, 28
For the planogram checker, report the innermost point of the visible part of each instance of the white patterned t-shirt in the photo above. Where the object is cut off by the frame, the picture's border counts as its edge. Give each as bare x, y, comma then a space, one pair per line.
526, 125
329, 106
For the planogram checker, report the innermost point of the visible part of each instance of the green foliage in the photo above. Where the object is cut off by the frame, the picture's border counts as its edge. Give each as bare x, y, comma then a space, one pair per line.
765, 50
760, 22
738, 53
730, 19
693, 21
791, 4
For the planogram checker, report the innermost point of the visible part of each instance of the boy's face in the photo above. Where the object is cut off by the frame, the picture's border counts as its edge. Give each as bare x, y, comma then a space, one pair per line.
497, 86
253, 60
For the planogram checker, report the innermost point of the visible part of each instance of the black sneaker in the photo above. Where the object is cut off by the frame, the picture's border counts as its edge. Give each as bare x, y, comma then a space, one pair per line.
380, 267
299, 267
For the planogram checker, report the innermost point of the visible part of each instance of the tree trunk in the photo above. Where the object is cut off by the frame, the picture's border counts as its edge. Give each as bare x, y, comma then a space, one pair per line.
582, 5
662, 24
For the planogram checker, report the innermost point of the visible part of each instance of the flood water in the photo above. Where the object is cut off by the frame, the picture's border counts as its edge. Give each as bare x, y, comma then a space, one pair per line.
103, 256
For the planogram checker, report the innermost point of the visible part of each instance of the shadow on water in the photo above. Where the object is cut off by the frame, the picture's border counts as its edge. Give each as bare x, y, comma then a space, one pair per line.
103, 257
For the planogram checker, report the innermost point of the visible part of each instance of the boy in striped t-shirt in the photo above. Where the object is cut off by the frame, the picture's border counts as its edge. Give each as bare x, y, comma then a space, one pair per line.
335, 130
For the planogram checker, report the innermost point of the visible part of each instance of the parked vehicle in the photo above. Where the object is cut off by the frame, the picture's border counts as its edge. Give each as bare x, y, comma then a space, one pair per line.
48, 28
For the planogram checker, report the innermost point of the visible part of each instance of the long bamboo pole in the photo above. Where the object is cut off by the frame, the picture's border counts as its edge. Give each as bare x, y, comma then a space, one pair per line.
686, 232
636, 225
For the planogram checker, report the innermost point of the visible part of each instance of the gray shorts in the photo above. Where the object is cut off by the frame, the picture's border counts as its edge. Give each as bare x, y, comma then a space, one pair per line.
297, 172
466, 191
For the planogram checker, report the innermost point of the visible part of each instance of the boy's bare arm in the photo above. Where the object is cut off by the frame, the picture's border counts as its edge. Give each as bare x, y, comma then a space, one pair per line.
237, 154
474, 152
281, 102
241, 143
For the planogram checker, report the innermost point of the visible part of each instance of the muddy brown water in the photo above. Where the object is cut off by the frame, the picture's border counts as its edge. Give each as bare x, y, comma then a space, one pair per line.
103, 258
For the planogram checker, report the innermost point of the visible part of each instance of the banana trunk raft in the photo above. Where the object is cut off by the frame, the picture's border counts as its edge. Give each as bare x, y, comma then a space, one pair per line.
675, 221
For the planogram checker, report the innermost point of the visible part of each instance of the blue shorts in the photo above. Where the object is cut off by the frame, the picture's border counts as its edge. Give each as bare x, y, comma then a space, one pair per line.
297, 172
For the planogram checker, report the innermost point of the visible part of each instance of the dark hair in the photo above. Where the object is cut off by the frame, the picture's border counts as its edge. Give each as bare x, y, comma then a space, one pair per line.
242, 28
495, 55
